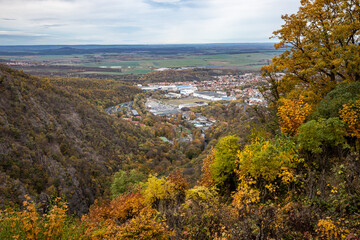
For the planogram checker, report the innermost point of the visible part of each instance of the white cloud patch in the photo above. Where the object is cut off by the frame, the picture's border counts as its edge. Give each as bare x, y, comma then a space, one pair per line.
21, 34
165, 1
143, 21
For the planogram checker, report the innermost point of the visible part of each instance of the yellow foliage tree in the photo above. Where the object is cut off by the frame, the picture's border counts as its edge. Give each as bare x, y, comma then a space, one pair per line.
246, 196
29, 224
292, 113
264, 166
328, 229
322, 47
145, 227
350, 114
171, 188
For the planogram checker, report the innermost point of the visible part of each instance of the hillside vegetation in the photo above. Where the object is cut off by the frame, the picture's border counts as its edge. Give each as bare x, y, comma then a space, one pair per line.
100, 92
54, 142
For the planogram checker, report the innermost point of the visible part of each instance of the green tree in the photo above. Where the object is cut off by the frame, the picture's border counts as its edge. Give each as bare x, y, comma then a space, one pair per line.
224, 164
316, 134
125, 181
334, 101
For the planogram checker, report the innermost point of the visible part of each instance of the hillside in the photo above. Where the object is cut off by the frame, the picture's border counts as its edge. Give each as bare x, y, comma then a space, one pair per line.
101, 92
54, 142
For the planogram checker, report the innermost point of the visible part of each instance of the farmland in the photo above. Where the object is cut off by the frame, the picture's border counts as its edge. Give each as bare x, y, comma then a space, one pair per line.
135, 60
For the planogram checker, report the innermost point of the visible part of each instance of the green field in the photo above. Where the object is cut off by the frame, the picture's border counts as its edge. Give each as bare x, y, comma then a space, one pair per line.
242, 61
123, 71
180, 101
144, 63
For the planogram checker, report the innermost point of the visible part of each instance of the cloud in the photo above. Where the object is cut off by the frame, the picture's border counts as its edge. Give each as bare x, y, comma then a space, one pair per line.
166, 1
20, 34
53, 25
8, 19
144, 21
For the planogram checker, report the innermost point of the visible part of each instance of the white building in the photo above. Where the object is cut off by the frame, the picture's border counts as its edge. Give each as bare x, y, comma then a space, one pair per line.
168, 88
150, 88
173, 95
208, 95
190, 105
187, 92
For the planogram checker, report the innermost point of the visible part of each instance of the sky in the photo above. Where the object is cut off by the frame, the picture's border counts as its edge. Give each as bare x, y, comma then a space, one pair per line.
44, 22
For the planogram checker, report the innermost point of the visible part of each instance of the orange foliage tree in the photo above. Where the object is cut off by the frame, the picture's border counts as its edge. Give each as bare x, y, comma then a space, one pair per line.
103, 219
207, 179
125, 217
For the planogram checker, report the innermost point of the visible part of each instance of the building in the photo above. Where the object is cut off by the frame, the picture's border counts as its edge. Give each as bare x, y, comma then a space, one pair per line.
187, 90
150, 88
209, 95
168, 88
135, 113
190, 105
173, 95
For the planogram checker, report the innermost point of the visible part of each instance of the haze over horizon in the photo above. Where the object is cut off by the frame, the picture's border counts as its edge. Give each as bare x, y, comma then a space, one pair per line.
66, 22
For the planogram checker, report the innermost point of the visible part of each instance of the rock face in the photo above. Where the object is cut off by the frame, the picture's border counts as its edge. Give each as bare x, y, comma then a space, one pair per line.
53, 143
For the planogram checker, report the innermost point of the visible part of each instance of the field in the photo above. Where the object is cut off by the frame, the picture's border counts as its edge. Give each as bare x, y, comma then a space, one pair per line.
102, 61
178, 102
241, 61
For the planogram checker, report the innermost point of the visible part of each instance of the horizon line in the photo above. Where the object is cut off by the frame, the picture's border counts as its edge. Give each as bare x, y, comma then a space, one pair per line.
135, 44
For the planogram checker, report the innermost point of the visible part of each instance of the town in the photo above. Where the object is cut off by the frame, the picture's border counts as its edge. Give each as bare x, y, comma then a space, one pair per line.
180, 100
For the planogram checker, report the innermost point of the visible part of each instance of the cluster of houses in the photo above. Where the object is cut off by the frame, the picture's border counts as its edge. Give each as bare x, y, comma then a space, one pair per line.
214, 96
182, 89
251, 96
117, 108
174, 91
240, 87
202, 122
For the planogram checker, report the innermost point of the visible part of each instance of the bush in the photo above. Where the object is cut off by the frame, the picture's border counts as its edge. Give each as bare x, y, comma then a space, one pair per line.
316, 134
125, 182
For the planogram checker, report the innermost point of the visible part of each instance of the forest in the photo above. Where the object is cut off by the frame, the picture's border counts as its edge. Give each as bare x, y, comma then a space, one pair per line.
290, 170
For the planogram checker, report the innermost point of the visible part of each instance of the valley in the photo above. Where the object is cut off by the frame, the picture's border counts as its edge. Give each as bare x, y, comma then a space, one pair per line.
186, 141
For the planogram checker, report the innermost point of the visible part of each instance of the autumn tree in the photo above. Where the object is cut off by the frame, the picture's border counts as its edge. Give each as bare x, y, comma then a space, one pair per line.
315, 135
322, 47
145, 226
159, 192
207, 179
263, 167
334, 101
28, 223
224, 163
125, 182
205, 216
292, 113
350, 114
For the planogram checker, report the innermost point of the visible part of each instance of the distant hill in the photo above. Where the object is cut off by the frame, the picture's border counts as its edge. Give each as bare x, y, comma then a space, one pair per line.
56, 143
165, 49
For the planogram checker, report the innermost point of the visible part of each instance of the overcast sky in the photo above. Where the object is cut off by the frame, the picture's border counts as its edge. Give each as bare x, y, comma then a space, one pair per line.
140, 21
